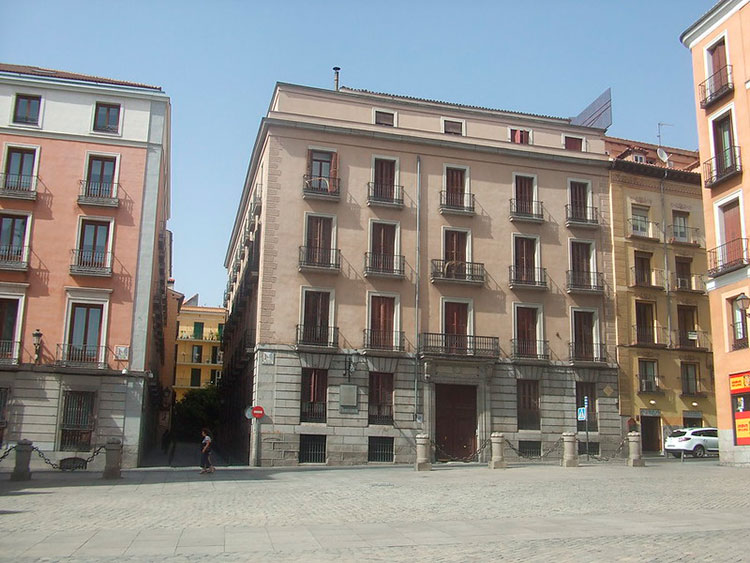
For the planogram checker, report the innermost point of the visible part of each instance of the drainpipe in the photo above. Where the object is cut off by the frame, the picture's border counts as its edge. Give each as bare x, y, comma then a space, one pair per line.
666, 259
416, 288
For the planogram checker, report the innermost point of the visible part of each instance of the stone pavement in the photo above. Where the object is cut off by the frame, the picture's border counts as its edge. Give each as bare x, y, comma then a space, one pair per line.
667, 511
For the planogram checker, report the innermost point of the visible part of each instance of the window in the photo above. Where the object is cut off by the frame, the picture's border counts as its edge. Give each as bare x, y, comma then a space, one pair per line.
689, 378
739, 326
197, 354
455, 252
380, 449
314, 395
644, 323
316, 310
456, 326
584, 341
527, 343
639, 158
4, 396
691, 420
683, 273
732, 251
84, 335
92, 254
107, 118
725, 158
455, 186
214, 376
322, 172
19, 169
77, 424
319, 242
453, 127
380, 408
573, 143
381, 334
520, 136
643, 273
100, 177
680, 231
312, 448
214, 354
195, 377
8, 343
525, 196
198, 330
382, 258
525, 268
385, 179
26, 111
580, 202
12, 239
528, 404
647, 376
582, 270
639, 221
687, 336
718, 74
384, 118
587, 389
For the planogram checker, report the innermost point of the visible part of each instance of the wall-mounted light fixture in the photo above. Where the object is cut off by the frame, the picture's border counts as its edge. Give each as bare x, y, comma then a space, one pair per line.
743, 301
652, 402
350, 365
36, 339
694, 404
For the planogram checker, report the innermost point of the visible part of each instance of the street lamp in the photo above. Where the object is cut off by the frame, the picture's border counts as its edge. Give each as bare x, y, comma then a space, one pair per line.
743, 301
36, 338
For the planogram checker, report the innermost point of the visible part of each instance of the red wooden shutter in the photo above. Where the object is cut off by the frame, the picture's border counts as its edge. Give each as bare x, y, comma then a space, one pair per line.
583, 322
731, 219
526, 330
524, 194
333, 183
309, 162
718, 57
455, 246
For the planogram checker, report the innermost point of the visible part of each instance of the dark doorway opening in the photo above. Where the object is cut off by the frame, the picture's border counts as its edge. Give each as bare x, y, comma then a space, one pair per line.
456, 422
651, 433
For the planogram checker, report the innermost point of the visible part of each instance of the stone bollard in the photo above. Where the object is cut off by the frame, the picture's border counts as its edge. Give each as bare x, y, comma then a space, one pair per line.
498, 457
570, 450
423, 453
113, 462
634, 450
21, 471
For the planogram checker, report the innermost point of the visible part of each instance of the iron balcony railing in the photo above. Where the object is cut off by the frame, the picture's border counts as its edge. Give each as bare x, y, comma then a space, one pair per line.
581, 214
715, 86
445, 344
688, 282
738, 332
648, 383
527, 209
679, 234
455, 270
522, 348
315, 257
641, 227
205, 335
649, 335
19, 185
461, 202
313, 335
14, 257
98, 193
386, 194
312, 412
384, 264
9, 352
91, 262
390, 340
82, 355
691, 339
643, 277
724, 165
380, 414
586, 351
727, 257
326, 186
584, 280
527, 277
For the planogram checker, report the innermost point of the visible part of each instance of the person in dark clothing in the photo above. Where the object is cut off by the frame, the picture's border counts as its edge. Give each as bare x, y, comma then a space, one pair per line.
206, 465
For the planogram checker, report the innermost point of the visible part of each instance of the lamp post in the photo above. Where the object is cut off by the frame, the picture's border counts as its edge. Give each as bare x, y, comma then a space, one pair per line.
743, 301
36, 338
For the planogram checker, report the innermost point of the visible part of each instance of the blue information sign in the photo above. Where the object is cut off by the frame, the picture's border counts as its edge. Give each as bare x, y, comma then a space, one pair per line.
581, 413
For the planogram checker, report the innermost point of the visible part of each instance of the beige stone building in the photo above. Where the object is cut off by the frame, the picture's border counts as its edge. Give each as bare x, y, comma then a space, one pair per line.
663, 320
401, 265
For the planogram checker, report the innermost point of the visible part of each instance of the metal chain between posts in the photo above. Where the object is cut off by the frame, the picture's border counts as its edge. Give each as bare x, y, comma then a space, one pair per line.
540, 457
54, 465
614, 455
7, 453
471, 457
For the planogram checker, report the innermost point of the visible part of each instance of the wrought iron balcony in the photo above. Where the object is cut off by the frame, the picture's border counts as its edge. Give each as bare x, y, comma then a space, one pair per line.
679, 234
391, 195
727, 257
312, 412
721, 167
691, 340
581, 216
82, 355
445, 344
715, 87
640, 227
17, 186
9, 352
585, 351
738, 335
388, 340
647, 335
98, 193
313, 335
688, 282
523, 349
457, 271
642, 277
526, 210
14, 258
583, 281
315, 258
386, 265
532, 278
325, 187
380, 414
648, 384
91, 263
461, 203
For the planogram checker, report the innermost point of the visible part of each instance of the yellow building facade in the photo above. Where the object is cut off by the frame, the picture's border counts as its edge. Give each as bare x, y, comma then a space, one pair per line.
663, 320
199, 358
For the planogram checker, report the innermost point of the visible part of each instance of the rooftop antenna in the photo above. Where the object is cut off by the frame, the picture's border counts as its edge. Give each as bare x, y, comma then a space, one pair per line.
336, 70
659, 126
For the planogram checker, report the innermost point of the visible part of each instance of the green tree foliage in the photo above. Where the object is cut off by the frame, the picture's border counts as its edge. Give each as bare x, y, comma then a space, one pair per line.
199, 408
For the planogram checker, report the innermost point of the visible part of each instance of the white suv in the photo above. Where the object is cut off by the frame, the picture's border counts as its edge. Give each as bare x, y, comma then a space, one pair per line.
695, 441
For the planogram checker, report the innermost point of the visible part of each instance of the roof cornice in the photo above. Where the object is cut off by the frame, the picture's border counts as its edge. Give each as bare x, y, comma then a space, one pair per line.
708, 21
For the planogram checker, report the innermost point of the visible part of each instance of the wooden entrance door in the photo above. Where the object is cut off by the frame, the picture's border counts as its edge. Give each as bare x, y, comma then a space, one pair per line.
455, 421
651, 433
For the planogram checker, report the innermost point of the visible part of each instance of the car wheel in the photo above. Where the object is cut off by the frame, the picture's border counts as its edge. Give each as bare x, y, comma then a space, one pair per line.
699, 451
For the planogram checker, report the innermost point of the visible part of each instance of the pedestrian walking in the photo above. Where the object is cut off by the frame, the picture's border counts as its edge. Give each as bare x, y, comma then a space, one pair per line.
206, 465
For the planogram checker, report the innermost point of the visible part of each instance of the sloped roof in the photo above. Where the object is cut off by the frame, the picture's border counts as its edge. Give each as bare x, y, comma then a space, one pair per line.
51, 73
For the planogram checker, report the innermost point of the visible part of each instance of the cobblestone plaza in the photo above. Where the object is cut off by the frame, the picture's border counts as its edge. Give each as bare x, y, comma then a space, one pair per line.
667, 511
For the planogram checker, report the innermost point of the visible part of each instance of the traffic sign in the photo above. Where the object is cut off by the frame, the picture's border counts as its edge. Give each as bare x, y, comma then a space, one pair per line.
581, 413
258, 412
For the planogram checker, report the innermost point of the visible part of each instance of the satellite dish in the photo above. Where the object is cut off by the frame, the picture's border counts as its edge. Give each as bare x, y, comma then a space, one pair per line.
662, 154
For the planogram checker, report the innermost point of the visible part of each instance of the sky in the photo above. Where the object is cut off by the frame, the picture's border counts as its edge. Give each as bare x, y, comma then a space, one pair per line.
219, 60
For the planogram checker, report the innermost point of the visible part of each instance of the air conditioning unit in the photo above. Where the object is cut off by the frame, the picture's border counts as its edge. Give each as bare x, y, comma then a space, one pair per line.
683, 283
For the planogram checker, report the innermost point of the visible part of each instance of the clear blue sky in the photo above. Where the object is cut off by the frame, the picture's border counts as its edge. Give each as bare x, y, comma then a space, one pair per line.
218, 61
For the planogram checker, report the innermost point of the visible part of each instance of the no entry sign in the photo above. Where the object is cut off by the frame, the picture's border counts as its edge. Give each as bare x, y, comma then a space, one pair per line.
258, 412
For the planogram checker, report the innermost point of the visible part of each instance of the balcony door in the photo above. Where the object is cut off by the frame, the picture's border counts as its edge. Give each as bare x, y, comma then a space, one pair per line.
19, 169
12, 237
94, 243
642, 268
455, 186
732, 250
526, 331
718, 60
315, 319
525, 259
583, 335
385, 179
579, 200
525, 195
580, 263
8, 317
723, 142
319, 240
100, 177
456, 326
382, 311
686, 325
383, 247
644, 323
455, 253
84, 336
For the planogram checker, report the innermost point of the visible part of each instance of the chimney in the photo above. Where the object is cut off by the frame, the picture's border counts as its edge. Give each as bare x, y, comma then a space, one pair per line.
336, 70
